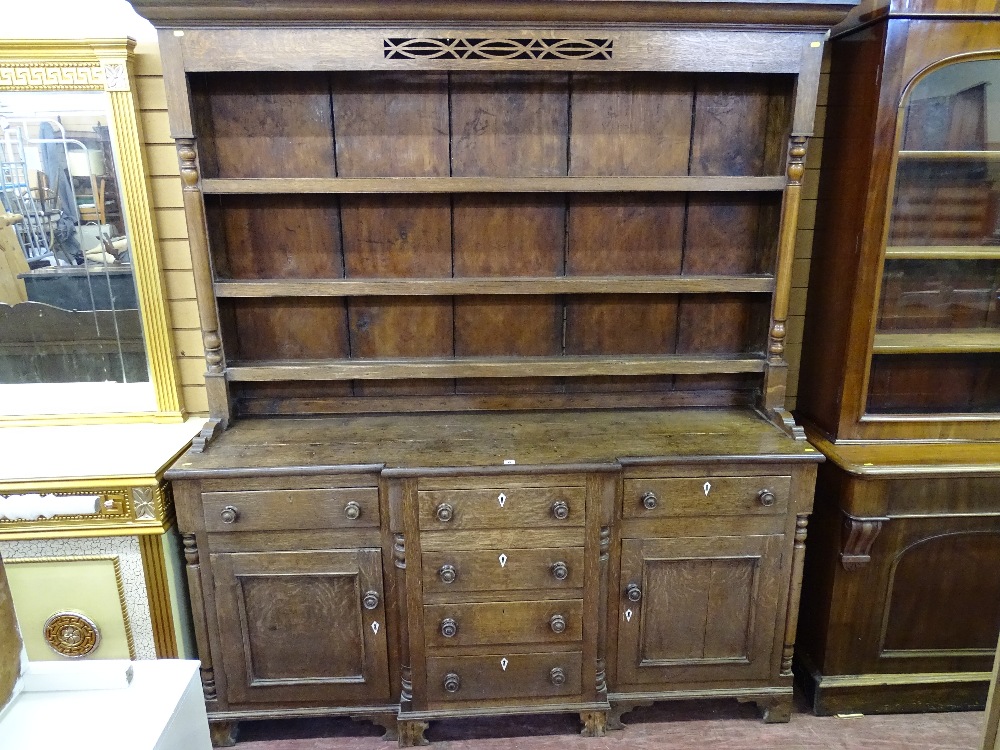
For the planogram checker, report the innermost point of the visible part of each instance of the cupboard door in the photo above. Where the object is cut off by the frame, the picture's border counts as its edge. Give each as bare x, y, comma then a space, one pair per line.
302, 626
698, 609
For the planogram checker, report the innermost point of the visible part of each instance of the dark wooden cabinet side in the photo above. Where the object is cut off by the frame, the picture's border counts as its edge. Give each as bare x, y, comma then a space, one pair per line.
895, 617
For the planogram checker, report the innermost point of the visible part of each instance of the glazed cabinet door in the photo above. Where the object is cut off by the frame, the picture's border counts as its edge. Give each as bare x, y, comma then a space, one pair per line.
302, 626
697, 609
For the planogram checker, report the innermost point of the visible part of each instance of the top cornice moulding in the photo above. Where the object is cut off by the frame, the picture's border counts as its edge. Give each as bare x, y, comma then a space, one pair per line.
193, 13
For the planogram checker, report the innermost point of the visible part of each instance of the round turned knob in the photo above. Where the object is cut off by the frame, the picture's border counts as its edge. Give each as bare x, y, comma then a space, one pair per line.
449, 628
559, 571
452, 682
766, 498
371, 600
560, 510
649, 500
447, 574
230, 514
633, 592
556, 676
557, 623
445, 512
352, 510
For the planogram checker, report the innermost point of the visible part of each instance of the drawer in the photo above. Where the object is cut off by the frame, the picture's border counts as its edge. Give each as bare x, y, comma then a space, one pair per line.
502, 569
487, 623
275, 510
468, 678
502, 507
705, 496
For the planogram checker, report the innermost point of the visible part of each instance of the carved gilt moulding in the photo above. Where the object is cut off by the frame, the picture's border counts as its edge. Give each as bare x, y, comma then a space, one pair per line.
105, 65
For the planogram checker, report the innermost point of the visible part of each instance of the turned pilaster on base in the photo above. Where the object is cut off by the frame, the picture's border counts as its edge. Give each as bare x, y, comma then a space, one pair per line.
857, 537
794, 594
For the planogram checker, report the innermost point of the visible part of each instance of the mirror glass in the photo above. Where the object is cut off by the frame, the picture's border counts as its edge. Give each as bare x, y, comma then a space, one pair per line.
71, 337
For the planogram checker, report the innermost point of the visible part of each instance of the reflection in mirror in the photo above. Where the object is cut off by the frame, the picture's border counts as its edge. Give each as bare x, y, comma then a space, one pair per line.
69, 310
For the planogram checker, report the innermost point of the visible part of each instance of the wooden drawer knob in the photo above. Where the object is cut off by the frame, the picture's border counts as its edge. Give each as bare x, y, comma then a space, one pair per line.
560, 510
557, 676
445, 512
449, 628
557, 623
766, 498
633, 592
352, 510
447, 573
230, 514
559, 571
452, 682
649, 500
371, 600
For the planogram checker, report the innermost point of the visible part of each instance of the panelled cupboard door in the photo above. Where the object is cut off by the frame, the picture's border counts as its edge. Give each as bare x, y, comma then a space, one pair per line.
697, 609
302, 626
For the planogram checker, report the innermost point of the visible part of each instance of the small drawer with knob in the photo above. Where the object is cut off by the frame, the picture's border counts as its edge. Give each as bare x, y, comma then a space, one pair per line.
487, 623
496, 676
705, 496
292, 509
499, 507
502, 569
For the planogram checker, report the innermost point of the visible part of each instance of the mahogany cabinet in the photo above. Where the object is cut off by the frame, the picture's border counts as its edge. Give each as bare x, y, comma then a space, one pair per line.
526, 268
900, 384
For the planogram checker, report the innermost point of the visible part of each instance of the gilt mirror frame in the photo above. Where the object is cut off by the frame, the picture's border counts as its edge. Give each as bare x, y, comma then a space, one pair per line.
106, 65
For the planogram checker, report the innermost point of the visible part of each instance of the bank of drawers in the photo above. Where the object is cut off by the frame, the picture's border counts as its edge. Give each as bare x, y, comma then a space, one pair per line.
522, 603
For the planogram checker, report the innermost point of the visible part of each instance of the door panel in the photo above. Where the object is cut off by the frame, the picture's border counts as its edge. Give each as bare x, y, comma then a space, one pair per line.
706, 608
296, 626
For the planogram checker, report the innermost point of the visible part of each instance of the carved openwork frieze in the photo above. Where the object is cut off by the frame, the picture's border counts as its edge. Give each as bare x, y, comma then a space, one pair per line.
496, 48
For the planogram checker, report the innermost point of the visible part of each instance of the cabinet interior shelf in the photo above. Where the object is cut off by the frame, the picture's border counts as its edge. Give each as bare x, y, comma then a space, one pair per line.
493, 367
949, 155
943, 342
395, 185
762, 283
943, 252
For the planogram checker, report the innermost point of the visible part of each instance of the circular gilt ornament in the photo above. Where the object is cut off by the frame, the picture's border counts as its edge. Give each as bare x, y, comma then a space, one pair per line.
71, 634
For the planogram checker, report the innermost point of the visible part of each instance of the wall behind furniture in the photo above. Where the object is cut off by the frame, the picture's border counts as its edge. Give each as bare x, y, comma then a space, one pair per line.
116, 18
81, 19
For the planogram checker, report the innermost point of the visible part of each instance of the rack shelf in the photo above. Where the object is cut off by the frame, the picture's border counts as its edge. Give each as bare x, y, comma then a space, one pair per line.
492, 367
763, 283
383, 185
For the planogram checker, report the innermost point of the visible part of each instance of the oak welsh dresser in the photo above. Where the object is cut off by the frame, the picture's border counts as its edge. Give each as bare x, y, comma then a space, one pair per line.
493, 298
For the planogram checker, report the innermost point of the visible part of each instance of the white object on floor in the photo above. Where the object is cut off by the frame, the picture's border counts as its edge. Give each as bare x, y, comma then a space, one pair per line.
98, 674
162, 709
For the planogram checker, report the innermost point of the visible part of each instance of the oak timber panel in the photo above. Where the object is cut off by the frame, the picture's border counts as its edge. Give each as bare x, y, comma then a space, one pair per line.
397, 237
264, 124
734, 125
275, 236
737, 235
622, 235
509, 124
285, 328
508, 236
635, 124
292, 626
391, 124
708, 608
